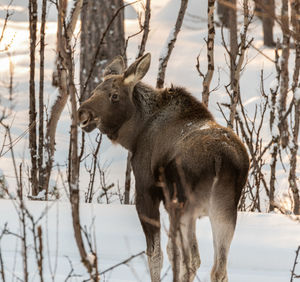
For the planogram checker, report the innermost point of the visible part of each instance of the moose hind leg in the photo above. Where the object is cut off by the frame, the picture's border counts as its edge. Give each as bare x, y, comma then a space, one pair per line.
223, 226
173, 251
185, 248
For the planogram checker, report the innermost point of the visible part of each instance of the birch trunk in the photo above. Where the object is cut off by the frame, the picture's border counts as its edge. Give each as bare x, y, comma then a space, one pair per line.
284, 85
296, 100
41, 99
32, 107
210, 44
237, 55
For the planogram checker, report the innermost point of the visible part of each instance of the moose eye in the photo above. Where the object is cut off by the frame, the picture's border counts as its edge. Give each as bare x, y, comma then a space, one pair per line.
114, 98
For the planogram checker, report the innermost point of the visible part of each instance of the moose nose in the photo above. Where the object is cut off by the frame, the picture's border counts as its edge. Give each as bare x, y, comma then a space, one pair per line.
84, 117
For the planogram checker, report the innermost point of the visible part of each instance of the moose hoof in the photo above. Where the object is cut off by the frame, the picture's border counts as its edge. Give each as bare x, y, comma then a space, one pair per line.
219, 277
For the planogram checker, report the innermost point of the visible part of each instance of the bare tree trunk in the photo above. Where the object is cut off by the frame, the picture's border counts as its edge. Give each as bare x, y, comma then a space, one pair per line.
40, 261
41, 99
96, 16
274, 154
166, 53
90, 192
24, 237
233, 40
210, 44
91, 265
265, 10
284, 85
66, 84
127, 180
296, 100
32, 109
237, 54
60, 80
223, 12
258, 9
274, 133
293, 161
268, 22
74, 161
74, 170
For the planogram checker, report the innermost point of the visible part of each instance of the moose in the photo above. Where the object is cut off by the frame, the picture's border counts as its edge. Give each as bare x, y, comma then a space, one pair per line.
172, 137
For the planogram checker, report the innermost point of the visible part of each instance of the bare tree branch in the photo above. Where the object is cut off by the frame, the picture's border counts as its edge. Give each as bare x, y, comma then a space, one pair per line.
145, 28
122, 262
293, 274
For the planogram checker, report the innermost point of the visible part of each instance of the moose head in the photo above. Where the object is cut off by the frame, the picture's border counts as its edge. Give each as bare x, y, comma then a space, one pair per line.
110, 105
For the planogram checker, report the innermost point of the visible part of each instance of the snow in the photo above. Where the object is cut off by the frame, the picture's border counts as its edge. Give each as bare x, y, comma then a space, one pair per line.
275, 130
273, 85
195, 17
263, 248
40, 196
164, 51
297, 94
91, 258
251, 100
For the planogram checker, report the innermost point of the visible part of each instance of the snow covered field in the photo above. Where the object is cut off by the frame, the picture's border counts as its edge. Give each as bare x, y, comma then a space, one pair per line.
263, 248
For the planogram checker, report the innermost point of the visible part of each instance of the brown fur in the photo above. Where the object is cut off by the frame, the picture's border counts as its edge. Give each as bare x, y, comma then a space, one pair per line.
162, 128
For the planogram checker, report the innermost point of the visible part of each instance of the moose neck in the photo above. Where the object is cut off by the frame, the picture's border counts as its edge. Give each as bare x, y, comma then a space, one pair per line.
146, 103
149, 102
146, 100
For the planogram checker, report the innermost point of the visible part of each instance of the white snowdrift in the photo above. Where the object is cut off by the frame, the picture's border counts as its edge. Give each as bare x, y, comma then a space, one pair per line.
262, 249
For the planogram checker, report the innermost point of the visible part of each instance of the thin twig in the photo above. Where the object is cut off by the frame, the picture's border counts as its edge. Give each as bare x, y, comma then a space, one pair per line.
293, 274
122, 262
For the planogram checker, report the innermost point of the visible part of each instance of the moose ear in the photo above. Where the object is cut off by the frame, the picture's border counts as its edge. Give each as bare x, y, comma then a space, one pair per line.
137, 70
117, 66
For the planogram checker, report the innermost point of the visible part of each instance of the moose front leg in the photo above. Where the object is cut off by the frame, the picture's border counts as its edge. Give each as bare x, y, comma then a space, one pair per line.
148, 211
155, 256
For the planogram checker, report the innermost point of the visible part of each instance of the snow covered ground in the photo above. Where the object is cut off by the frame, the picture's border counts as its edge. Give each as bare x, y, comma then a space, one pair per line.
263, 248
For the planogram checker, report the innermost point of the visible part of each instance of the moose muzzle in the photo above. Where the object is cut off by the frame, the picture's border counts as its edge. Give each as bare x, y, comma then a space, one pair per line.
86, 119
